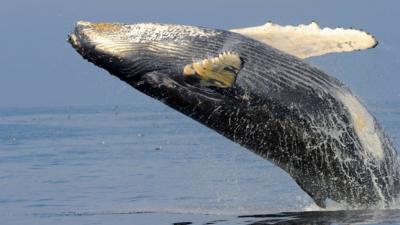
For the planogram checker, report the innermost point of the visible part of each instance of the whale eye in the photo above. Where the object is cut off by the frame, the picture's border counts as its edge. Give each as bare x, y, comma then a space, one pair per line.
220, 71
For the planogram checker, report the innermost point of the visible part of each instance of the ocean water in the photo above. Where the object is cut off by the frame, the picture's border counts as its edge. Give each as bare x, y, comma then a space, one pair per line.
147, 164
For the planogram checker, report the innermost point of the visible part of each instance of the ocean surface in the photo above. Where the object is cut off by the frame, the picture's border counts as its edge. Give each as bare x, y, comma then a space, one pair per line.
147, 164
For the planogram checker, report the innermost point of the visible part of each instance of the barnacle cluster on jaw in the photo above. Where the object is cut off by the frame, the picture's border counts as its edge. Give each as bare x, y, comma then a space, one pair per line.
220, 71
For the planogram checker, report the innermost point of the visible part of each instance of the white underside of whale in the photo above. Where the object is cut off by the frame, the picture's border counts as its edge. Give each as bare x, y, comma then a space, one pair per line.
364, 125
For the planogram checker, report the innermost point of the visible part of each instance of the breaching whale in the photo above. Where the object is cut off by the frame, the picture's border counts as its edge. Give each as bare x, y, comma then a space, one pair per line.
252, 86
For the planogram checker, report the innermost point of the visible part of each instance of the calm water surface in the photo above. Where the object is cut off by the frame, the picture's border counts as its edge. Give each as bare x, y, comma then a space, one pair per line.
147, 164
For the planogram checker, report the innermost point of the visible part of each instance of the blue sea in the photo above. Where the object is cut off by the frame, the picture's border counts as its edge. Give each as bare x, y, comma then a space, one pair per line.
148, 164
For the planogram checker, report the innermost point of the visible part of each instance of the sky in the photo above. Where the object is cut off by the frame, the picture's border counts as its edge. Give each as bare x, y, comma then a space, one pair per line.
39, 68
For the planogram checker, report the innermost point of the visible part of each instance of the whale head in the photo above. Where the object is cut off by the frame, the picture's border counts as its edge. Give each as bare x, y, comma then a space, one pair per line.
159, 59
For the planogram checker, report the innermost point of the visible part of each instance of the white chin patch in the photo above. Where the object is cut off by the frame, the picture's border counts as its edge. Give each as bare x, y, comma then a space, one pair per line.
364, 125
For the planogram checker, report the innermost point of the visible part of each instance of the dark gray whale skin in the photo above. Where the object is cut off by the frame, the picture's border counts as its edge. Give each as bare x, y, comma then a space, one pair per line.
280, 107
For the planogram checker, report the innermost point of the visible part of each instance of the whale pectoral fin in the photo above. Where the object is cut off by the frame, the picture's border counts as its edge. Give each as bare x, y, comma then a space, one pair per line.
220, 71
310, 40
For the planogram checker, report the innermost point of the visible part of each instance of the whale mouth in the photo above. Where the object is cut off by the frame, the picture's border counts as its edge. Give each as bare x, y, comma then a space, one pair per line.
74, 41
75, 38
95, 37
106, 47
79, 39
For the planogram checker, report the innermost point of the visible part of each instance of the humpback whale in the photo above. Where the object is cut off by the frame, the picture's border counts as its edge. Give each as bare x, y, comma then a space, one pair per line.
252, 86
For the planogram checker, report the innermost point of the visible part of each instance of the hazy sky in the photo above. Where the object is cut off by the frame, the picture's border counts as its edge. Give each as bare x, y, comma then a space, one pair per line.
39, 68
